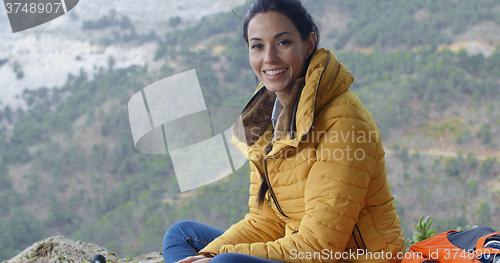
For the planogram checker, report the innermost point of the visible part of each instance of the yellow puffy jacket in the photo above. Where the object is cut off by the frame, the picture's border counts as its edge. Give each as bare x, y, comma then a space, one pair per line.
329, 198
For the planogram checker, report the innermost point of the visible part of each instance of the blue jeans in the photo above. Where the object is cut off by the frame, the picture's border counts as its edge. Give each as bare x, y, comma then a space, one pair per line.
186, 238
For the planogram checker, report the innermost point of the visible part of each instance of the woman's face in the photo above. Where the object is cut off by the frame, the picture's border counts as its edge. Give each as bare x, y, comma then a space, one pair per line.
277, 52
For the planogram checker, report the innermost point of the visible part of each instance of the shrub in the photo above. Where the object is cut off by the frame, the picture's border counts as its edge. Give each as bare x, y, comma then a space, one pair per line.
472, 187
484, 134
486, 166
174, 21
423, 230
405, 155
471, 160
452, 167
463, 136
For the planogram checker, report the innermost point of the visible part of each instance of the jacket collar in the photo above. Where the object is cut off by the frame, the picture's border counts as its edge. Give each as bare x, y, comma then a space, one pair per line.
325, 78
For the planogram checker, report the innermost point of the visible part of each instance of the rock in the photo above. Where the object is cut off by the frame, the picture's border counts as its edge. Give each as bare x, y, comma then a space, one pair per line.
59, 249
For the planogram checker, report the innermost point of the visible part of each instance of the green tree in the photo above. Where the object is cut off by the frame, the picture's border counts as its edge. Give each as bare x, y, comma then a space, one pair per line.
483, 213
452, 166
5, 182
404, 155
484, 134
174, 21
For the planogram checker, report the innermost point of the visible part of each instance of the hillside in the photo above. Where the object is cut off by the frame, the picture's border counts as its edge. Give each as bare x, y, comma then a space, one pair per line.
69, 166
87, 36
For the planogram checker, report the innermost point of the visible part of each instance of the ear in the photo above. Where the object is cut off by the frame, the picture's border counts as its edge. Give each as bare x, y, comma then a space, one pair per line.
310, 43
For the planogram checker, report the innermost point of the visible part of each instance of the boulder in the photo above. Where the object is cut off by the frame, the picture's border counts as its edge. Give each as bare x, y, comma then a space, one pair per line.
59, 249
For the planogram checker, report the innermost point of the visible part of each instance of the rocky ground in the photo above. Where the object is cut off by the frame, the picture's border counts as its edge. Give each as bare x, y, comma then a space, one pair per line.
60, 249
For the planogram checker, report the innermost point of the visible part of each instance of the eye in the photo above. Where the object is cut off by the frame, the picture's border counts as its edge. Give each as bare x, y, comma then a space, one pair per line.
256, 46
284, 42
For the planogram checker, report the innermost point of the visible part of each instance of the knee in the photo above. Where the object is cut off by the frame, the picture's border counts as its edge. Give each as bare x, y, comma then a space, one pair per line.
179, 227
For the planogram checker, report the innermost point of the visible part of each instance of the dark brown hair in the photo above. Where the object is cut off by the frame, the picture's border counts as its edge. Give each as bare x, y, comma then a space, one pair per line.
297, 13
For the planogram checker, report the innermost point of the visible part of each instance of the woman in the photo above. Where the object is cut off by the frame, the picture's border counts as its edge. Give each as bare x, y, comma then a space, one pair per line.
319, 191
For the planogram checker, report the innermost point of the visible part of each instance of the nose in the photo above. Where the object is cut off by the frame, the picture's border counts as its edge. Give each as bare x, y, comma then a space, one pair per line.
271, 55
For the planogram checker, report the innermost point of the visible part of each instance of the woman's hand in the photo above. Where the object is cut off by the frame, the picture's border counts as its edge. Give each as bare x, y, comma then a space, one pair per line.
195, 259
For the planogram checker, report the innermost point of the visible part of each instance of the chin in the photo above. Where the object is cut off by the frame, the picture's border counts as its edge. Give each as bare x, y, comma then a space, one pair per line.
274, 88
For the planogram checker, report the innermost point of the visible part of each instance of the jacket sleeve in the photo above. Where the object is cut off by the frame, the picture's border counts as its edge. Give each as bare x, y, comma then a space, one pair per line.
335, 193
259, 225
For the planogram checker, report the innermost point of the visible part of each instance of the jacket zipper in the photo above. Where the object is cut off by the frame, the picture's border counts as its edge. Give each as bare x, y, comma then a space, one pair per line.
270, 191
357, 237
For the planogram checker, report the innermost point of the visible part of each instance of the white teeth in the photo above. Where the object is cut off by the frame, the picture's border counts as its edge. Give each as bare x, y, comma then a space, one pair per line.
275, 72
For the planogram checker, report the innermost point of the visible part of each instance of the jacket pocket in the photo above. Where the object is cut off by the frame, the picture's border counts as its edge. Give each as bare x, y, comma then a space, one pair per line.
357, 238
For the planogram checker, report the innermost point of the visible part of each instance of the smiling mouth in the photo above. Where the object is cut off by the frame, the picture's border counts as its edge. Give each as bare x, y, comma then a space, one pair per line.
275, 72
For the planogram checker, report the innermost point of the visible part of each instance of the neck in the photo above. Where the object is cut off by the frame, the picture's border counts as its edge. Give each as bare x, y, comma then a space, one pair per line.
284, 96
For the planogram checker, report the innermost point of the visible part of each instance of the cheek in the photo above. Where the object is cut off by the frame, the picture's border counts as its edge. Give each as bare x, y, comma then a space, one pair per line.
297, 63
295, 59
255, 64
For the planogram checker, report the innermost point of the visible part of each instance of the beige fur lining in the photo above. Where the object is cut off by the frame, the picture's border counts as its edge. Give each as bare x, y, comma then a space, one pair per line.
256, 117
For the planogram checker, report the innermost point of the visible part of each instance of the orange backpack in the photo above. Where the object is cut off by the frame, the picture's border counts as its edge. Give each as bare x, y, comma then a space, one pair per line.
477, 245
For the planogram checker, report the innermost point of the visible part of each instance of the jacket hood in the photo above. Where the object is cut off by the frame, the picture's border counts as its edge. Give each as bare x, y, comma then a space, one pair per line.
325, 79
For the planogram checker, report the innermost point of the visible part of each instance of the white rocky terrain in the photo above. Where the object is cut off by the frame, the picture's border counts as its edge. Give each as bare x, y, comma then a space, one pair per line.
48, 53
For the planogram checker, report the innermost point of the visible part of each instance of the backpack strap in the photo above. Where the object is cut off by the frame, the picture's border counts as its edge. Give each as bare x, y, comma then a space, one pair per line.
480, 242
480, 249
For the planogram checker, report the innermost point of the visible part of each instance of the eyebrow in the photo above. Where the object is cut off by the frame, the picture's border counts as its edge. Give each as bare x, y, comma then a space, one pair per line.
275, 36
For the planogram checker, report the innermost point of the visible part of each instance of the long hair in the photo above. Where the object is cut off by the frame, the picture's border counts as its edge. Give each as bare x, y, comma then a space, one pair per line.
297, 13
